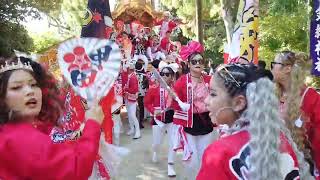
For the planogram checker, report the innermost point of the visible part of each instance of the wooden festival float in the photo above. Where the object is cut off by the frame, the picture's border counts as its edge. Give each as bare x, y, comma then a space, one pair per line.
49, 59
126, 11
131, 10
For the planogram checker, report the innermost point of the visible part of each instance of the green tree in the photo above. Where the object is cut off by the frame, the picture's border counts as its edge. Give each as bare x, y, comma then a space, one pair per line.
229, 9
18, 10
68, 19
12, 12
13, 36
284, 24
44, 41
213, 28
214, 39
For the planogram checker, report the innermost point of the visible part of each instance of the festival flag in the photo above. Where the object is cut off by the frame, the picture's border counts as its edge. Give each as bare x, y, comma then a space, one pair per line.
315, 38
245, 43
98, 23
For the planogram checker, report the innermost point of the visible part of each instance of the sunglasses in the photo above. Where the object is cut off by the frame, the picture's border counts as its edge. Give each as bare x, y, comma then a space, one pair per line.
273, 63
165, 74
197, 61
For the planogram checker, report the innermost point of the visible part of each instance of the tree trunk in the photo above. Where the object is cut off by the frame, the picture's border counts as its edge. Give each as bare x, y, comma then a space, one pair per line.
156, 4
199, 21
229, 15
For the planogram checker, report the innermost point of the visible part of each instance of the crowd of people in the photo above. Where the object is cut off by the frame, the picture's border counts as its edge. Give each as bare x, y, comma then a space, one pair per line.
240, 121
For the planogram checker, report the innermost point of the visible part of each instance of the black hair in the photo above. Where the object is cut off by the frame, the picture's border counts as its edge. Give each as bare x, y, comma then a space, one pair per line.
236, 77
131, 36
139, 66
185, 68
169, 69
124, 33
261, 64
155, 63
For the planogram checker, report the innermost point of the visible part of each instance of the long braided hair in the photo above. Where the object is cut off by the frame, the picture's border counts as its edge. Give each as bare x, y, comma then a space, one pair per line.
263, 117
300, 69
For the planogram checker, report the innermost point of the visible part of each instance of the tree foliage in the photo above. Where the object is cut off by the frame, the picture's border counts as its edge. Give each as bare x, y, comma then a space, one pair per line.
286, 32
284, 25
13, 35
281, 7
214, 32
68, 19
18, 10
44, 41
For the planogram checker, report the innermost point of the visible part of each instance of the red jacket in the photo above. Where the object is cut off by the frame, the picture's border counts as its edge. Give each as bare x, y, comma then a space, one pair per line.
165, 45
152, 101
28, 153
181, 88
225, 159
124, 78
171, 24
311, 109
131, 88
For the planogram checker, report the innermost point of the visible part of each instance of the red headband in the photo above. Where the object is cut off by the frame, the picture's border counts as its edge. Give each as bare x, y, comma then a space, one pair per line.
192, 47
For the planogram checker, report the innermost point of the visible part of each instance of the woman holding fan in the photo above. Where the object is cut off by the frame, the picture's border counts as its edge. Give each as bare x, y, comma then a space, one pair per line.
29, 110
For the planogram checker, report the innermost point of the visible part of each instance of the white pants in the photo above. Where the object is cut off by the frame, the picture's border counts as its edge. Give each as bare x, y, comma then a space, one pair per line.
158, 134
116, 128
197, 144
133, 121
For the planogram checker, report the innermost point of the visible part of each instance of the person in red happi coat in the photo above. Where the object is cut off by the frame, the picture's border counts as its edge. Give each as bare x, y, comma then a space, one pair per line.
299, 105
194, 130
254, 143
130, 90
29, 110
158, 102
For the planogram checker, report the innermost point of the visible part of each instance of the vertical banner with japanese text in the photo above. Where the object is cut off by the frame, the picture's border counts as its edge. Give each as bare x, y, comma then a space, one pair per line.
315, 38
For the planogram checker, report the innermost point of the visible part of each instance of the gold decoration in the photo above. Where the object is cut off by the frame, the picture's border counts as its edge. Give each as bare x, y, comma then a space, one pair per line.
130, 10
49, 58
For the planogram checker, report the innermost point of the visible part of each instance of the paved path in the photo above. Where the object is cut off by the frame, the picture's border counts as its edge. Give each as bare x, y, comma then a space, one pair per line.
138, 165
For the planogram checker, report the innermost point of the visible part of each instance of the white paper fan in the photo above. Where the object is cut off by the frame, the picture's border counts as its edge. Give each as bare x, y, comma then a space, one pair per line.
90, 65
